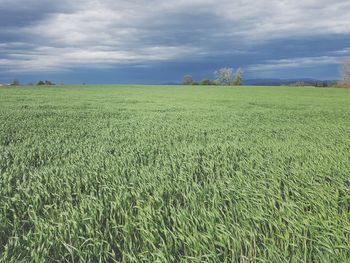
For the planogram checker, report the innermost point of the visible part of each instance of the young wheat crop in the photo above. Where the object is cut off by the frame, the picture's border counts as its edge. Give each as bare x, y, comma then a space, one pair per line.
174, 174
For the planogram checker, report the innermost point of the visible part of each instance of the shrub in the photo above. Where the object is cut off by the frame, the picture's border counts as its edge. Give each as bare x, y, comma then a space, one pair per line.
207, 82
46, 83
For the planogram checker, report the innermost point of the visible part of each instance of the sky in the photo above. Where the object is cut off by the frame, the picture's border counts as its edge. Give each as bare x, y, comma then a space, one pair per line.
158, 41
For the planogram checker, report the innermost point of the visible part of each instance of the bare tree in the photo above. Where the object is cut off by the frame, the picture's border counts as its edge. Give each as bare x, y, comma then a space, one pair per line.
227, 76
346, 71
224, 76
345, 82
187, 80
238, 77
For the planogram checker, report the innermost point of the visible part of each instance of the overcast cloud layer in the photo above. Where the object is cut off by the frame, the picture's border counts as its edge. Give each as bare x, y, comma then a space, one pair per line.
159, 41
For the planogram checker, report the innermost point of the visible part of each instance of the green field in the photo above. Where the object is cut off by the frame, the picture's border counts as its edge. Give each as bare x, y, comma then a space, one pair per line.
174, 174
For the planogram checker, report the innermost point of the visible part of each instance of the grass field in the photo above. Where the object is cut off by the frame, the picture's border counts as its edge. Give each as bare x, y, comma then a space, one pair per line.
174, 174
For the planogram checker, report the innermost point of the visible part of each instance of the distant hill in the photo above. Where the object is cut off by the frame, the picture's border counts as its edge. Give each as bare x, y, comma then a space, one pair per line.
170, 83
279, 82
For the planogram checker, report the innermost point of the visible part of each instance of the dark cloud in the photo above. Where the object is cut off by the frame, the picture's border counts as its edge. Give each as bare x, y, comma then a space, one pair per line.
70, 38
22, 13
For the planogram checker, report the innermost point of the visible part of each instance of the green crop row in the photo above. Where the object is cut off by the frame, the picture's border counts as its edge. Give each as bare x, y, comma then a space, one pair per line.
174, 174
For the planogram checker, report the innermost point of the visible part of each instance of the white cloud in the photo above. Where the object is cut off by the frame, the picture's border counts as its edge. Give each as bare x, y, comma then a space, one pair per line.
259, 20
343, 52
51, 59
271, 65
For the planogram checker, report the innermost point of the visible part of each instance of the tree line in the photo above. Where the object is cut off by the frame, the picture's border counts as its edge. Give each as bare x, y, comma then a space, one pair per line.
229, 77
39, 83
223, 76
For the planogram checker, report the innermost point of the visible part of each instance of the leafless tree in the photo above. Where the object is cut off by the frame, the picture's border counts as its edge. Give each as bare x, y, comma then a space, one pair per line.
346, 71
345, 82
224, 76
238, 77
187, 80
227, 76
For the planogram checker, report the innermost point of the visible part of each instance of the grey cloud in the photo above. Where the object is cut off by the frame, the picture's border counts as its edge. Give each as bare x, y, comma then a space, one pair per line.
21, 13
295, 63
106, 32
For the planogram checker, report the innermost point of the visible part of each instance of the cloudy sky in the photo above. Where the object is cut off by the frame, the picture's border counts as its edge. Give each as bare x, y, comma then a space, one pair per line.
154, 41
